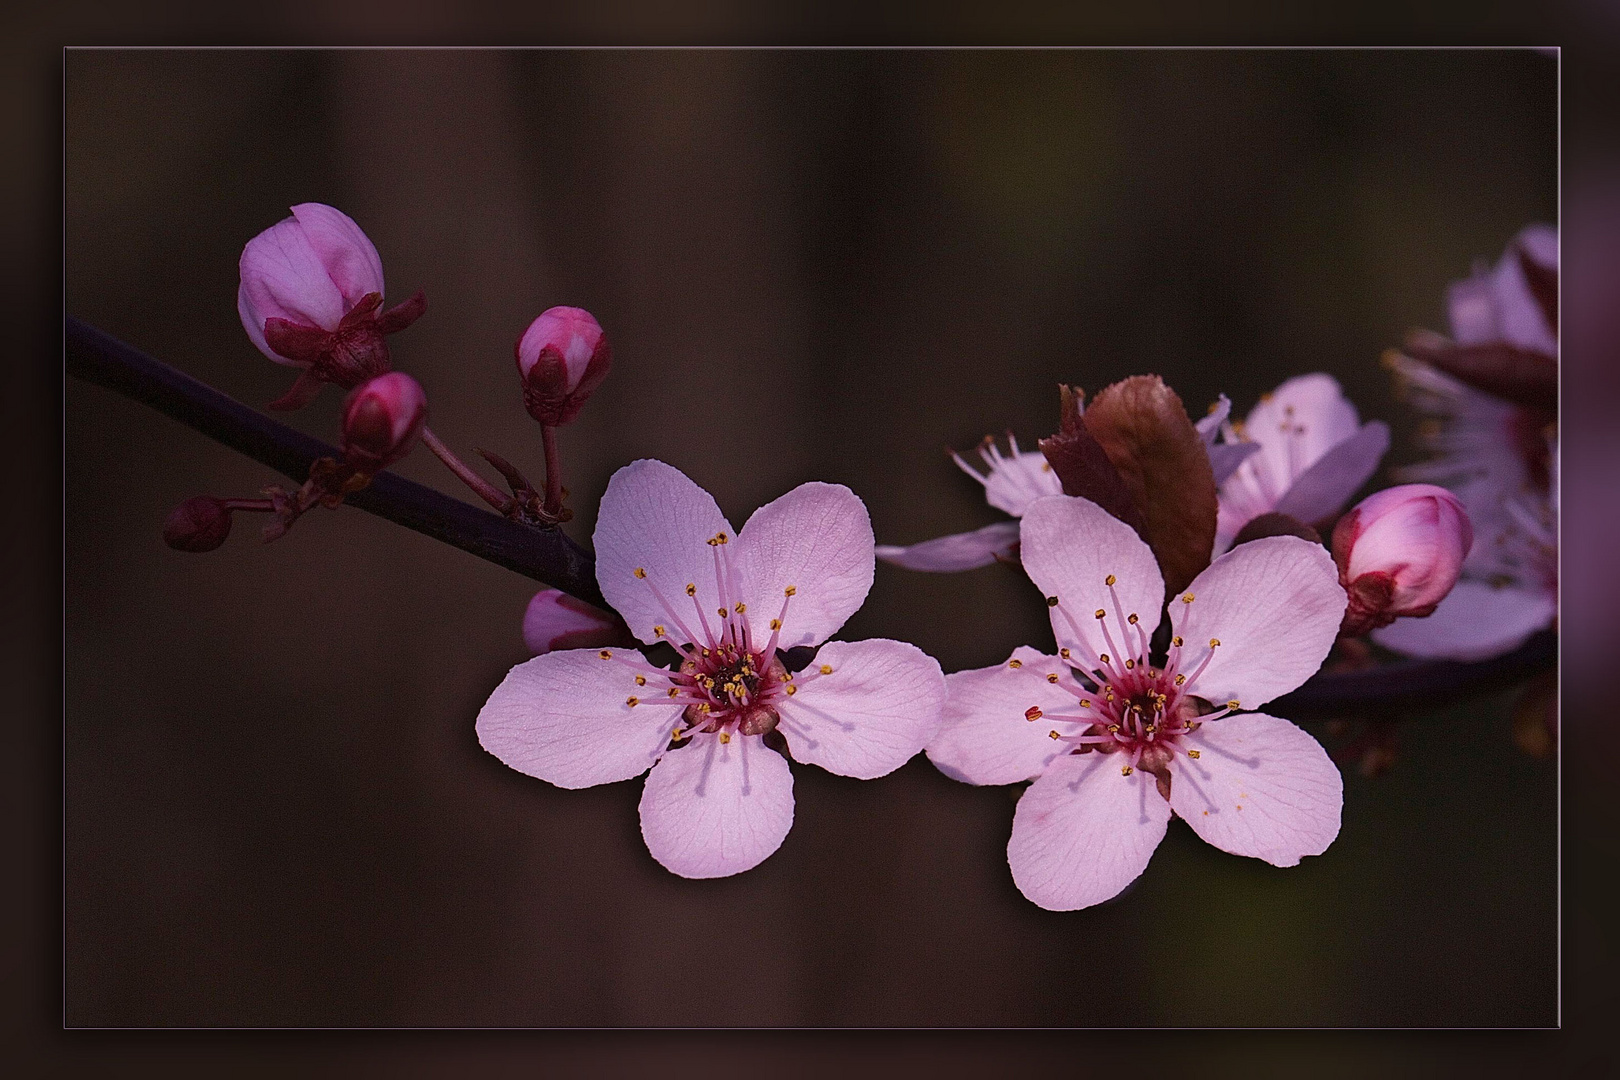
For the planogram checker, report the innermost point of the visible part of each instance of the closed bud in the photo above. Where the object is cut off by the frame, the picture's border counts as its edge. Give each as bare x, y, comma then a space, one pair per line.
562, 358
1399, 553
201, 523
556, 620
381, 420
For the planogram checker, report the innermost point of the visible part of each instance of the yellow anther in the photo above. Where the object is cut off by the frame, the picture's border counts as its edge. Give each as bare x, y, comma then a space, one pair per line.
790, 676
792, 689
791, 590
1131, 618
691, 589
1109, 580
632, 701
1015, 663
720, 612
1063, 653
1103, 658
1032, 713
826, 669
675, 733
641, 680
1051, 601
705, 652
1085, 703
674, 691
1053, 735
1180, 679
1052, 678
720, 538
776, 624
1194, 754
1187, 599
1176, 641
1101, 613
604, 654
641, 572
1046, 466
1129, 664
658, 631
1232, 704
725, 737
1112, 728
741, 607
705, 707
713, 542
1214, 641
1126, 771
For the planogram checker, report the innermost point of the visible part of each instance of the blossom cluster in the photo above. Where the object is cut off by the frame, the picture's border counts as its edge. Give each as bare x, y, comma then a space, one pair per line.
1192, 572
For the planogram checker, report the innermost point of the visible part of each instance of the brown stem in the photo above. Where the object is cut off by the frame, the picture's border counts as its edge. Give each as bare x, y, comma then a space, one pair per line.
263, 505
554, 497
485, 490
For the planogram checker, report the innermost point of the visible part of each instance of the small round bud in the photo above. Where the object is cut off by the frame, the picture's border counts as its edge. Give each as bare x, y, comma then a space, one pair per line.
1399, 553
381, 420
307, 271
556, 620
562, 358
201, 523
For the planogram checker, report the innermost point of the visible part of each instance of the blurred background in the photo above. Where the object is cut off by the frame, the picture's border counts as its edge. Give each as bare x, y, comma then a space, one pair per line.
812, 265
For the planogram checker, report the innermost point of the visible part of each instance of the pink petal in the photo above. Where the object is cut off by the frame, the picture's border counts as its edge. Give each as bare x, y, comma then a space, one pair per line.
1070, 547
1473, 622
564, 718
1497, 305
712, 809
554, 620
1275, 606
1322, 490
959, 551
984, 736
1314, 402
283, 278
817, 539
1018, 479
1083, 832
879, 706
653, 518
1260, 787
350, 259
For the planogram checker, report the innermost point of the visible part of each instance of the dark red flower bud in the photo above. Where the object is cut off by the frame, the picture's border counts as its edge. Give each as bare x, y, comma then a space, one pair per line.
201, 523
562, 358
381, 420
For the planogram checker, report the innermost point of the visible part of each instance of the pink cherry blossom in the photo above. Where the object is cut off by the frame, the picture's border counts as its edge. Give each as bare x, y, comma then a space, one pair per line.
719, 799
554, 620
1497, 304
1015, 479
562, 358
1313, 454
1399, 553
1116, 743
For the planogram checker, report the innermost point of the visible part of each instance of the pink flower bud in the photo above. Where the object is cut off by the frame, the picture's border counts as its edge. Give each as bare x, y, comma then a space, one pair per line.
556, 620
201, 523
381, 420
562, 357
1399, 553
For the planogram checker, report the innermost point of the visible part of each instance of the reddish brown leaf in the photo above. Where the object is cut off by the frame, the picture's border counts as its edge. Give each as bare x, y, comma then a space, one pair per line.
1543, 282
1275, 524
1083, 467
1499, 369
1142, 426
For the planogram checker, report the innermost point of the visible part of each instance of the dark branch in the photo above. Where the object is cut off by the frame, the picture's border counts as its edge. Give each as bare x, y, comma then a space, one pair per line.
546, 555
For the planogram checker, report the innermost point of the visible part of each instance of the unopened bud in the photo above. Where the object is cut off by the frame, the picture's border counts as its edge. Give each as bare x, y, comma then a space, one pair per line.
1399, 553
201, 523
562, 358
381, 420
556, 620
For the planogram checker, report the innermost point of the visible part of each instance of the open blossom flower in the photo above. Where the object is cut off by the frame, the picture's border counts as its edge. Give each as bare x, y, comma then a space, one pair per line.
1399, 553
1314, 453
719, 799
1499, 455
1118, 744
311, 287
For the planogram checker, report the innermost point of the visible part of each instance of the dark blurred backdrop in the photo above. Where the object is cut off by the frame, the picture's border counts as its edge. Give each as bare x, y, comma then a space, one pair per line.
813, 265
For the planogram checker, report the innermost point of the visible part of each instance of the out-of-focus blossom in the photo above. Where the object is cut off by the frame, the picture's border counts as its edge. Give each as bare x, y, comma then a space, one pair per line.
1118, 746
554, 620
310, 293
381, 420
1313, 454
562, 358
719, 799
1399, 553
1016, 479
1496, 449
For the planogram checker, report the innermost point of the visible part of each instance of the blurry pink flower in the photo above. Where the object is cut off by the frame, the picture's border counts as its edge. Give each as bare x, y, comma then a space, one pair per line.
554, 620
1499, 304
1313, 454
719, 800
310, 288
1399, 553
1117, 745
562, 358
381, 420
1015, 480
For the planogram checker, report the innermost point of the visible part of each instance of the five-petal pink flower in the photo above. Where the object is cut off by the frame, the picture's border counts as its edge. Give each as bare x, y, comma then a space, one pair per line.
1118, 743
719, 799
